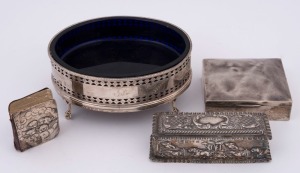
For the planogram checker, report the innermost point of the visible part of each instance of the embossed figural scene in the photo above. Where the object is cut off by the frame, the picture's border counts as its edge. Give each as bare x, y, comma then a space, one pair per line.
34, 119
210, 137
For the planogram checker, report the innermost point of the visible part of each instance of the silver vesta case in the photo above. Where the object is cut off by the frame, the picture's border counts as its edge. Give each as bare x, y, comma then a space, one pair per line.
34, 119
247, 85
210, 137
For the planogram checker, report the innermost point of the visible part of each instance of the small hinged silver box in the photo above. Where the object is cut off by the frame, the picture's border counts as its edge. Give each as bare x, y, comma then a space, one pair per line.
34, 119
210, 137
247, 85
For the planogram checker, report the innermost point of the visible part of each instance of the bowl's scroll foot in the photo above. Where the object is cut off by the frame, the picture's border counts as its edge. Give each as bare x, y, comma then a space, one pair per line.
68, 113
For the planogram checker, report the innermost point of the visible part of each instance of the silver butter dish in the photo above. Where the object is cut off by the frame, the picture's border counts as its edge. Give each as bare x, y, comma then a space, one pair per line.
210, 137
247, 85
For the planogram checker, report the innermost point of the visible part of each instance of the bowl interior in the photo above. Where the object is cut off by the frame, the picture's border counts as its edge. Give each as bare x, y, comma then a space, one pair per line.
118, 47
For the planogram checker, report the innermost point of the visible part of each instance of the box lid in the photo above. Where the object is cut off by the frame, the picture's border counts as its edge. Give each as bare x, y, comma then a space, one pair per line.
208, 124
28, 101
245, 82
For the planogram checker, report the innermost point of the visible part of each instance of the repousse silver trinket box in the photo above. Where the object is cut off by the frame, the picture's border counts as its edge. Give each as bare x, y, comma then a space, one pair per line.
210, 137
247, 85
34, 119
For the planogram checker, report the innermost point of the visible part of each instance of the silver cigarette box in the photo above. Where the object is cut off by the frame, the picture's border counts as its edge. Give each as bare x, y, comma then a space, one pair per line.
210, 137
247, 85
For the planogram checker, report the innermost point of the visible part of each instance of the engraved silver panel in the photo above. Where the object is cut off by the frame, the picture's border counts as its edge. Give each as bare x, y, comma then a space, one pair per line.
210, 137
122, 94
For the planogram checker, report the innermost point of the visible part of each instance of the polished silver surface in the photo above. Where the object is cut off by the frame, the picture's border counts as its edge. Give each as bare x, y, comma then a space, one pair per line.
210, 137
247, 85
122, 94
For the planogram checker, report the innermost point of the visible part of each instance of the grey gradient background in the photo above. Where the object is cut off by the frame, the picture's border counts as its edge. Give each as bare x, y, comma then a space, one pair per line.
103, 142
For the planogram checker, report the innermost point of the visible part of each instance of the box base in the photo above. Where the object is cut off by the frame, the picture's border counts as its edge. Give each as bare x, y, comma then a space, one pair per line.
278, 113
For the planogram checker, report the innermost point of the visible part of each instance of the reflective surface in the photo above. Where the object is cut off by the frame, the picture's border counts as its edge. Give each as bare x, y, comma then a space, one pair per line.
118, 47
120, 64
247, 85
119, 57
